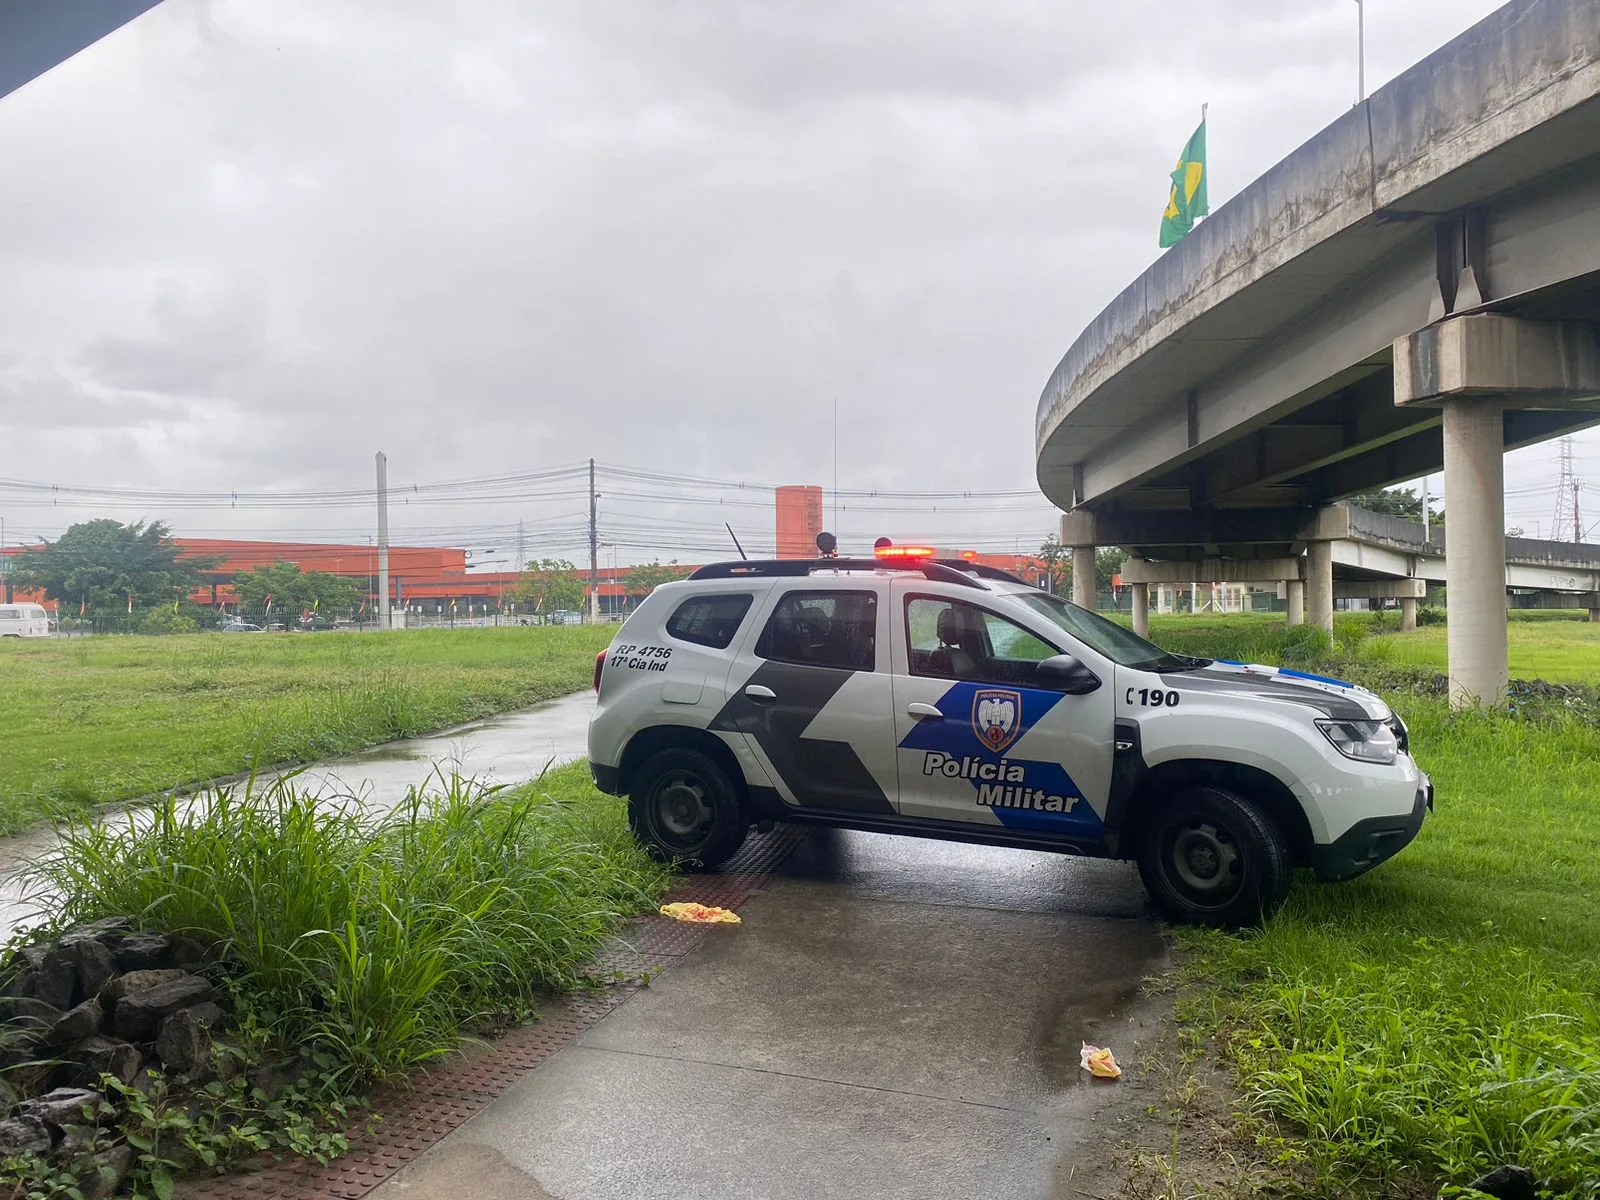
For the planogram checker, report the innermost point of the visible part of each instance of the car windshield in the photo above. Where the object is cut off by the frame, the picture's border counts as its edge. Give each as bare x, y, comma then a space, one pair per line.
1121, 646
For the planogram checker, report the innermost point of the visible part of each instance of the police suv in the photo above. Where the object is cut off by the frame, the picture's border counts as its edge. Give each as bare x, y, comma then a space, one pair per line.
911, 694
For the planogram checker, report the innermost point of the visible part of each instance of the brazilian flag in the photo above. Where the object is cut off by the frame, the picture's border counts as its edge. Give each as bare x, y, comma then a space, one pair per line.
1188, 198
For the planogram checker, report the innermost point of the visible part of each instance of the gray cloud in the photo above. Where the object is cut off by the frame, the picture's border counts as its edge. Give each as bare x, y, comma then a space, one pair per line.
255, 243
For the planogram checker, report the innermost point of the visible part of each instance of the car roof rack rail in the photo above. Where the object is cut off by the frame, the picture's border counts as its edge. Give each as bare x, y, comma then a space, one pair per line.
981, 571
757, 568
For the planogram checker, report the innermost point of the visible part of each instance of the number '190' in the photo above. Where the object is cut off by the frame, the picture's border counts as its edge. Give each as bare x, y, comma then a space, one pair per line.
1152, 698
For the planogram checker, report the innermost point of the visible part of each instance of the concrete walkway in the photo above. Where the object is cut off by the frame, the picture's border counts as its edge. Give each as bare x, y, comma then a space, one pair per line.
895, 1018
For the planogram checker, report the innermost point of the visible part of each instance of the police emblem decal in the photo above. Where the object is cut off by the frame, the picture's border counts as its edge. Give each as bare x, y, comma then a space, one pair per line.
996, 717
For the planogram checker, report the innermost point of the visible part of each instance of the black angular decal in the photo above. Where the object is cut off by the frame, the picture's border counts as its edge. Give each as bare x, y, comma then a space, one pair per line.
821, 773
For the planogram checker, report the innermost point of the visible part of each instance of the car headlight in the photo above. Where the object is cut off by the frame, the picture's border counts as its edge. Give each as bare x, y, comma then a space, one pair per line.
1364, 741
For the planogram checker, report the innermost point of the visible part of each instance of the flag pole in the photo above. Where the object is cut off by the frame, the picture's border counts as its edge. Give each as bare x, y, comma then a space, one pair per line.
1361, 51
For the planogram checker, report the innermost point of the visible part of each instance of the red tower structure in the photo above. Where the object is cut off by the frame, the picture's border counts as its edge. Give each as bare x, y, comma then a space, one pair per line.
799, 521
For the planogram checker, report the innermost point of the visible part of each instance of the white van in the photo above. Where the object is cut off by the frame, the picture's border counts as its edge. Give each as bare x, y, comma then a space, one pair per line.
24, 620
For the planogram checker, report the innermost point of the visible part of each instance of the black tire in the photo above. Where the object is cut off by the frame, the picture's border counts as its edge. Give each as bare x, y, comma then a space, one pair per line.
1210, 857
685, 809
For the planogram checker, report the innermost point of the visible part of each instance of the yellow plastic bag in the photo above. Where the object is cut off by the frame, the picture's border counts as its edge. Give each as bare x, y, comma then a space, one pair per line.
1099, 1063
700, 914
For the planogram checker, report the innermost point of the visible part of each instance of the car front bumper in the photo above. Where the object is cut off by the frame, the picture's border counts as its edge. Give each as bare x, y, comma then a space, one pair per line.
1367, 843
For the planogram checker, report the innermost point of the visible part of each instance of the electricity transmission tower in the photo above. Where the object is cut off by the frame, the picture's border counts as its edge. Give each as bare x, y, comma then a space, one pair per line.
1567, 488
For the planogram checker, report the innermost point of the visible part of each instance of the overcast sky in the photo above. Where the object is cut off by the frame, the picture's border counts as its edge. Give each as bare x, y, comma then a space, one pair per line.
246, 243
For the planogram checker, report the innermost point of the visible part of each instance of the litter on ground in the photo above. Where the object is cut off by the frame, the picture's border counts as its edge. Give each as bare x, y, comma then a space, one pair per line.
1099, 1063
700, 914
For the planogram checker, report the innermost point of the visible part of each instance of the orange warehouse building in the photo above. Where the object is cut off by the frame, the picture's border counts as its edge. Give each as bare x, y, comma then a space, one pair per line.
415, 563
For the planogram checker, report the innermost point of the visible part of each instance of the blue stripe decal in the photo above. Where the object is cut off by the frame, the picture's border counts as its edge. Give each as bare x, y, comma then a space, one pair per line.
970, 743
1317, 678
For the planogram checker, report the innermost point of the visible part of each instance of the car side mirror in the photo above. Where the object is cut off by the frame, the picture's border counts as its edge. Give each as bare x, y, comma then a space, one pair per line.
1064, 673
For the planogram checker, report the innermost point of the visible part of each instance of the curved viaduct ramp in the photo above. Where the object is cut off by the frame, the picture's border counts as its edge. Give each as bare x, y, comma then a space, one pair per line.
1248, 375
36, 35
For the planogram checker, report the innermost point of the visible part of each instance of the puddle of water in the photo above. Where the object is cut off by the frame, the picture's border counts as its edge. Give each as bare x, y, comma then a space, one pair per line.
507, 749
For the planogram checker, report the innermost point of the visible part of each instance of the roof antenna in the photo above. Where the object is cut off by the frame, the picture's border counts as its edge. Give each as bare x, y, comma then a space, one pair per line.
735, 538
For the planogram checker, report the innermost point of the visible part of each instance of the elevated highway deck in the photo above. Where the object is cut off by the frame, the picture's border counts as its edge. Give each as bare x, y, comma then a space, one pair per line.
1416, 287
1377, 557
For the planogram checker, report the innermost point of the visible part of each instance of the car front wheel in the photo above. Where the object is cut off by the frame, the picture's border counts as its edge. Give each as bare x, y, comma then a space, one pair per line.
684, 808
1210, 857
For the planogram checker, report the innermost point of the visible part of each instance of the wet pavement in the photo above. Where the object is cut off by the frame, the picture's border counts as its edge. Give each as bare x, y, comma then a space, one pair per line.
510, 748
506, 749
894, 1018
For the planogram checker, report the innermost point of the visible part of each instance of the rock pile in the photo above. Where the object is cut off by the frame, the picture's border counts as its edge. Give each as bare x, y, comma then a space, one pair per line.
99, 1000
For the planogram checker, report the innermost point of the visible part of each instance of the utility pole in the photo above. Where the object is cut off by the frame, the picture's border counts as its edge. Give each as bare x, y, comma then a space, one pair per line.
522, 560
1427, 523
383, 541
1361, 51
594, 554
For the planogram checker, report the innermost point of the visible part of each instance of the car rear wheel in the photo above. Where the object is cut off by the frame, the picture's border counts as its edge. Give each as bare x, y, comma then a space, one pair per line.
1210, 857
684, 808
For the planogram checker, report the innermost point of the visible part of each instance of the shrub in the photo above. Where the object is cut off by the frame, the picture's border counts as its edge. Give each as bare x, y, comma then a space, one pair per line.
167, 620
1385, 620
1349, 632
373, 941
1299, 645
1427, 614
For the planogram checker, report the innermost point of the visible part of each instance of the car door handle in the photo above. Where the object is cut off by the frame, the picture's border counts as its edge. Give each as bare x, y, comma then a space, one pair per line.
760, 695
923, 712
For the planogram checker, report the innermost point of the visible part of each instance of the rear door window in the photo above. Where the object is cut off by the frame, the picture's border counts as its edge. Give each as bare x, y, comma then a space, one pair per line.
710, 620
823, 629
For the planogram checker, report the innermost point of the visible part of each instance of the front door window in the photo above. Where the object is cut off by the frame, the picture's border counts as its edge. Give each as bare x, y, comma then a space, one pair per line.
952, 640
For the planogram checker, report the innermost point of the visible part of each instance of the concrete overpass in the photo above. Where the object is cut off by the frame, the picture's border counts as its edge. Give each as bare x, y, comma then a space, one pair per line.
1378, 557
1415, 288
36, 35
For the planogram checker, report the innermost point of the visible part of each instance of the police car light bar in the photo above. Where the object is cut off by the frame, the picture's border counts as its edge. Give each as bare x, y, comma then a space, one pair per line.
909, 552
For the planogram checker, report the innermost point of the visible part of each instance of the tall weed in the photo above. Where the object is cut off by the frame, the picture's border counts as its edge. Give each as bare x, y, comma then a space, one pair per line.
373, 938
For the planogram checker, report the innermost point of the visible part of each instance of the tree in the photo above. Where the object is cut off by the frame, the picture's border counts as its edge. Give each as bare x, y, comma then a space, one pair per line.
1057, 562
1107, 565
1397, 502
551, 584
646, 577
107, 566
294, 591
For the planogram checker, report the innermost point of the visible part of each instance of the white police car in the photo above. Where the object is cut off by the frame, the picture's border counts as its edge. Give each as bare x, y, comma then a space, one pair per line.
934, 697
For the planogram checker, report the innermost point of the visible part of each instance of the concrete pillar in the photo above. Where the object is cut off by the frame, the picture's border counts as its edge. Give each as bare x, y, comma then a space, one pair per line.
1408, 614
1297, 602
1475, 568
1083, 576
1141, 609
1319, 584
1594, 616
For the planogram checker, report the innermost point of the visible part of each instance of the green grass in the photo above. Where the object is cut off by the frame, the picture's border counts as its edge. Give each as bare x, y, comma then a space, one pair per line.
375, 938
359, 946
1558, 651
90, 720
1559, 647
1438, 1016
